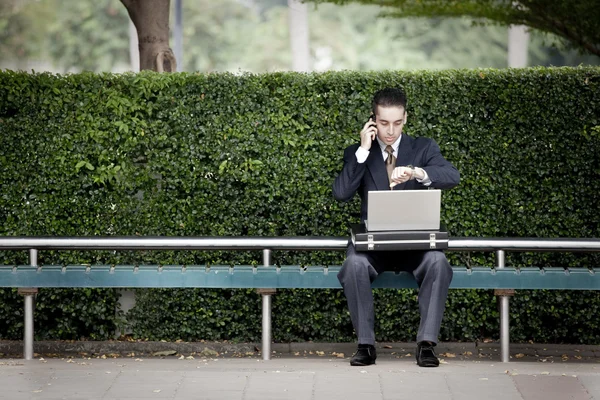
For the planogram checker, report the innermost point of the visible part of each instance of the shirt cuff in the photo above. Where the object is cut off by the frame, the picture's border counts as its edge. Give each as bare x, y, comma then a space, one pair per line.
425, 181
361, 155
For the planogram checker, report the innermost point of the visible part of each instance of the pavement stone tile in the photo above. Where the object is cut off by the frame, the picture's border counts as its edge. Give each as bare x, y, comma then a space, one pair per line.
348, 396
156, 377
496, 387
65, 395
420, 396
551, 388
190, 392
143, 389
277, 395
283, 381
592, 385
347, 383
200, 384
414, 383
63, 398
221, 395
225, 374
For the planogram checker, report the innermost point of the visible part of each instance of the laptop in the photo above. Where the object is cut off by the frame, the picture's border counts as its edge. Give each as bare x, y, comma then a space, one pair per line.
404, 210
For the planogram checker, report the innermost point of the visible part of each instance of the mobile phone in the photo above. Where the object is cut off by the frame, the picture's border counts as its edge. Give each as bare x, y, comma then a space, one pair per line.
372, 117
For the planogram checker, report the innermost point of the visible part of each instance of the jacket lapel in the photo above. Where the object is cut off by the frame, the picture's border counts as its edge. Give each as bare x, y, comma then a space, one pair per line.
377, 169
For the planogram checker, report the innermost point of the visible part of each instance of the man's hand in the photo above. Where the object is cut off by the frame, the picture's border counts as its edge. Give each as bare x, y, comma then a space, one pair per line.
403, 174
367, 135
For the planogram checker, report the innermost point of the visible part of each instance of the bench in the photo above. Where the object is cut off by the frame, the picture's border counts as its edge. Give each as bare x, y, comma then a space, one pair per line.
266, 278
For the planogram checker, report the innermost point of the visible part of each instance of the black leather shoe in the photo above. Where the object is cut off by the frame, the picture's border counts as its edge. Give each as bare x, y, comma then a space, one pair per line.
365, 355
426, 355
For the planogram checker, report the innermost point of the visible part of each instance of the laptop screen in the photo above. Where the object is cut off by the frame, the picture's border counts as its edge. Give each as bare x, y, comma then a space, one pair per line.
403, 210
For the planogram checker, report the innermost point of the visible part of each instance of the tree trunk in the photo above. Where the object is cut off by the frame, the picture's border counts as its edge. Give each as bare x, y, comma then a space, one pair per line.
151, 20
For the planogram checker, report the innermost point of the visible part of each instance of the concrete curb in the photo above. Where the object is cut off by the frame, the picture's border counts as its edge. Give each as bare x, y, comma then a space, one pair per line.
210, 349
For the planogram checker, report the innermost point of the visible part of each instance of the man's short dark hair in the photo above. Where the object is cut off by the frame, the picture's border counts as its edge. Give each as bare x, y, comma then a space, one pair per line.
389, 97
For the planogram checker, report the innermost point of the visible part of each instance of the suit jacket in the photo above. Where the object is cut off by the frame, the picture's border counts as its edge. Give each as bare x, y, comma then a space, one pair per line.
372, 175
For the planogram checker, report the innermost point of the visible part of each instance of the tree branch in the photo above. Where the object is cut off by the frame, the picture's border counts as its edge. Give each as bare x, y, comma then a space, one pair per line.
539, 19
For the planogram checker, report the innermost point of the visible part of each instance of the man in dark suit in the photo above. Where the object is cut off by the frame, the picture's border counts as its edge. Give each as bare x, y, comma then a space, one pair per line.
387, 159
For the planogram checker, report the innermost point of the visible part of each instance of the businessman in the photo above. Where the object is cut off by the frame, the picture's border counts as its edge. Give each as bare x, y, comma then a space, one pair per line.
387, 159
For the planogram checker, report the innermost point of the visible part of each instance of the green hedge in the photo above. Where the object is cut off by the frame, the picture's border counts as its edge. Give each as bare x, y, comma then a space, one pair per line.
233, 155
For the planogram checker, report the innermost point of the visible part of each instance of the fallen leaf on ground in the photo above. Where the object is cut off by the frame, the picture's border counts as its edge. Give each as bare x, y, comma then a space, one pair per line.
164, 353
519, 355
449, 355
387, 346
156, 390
206, 352
545, 373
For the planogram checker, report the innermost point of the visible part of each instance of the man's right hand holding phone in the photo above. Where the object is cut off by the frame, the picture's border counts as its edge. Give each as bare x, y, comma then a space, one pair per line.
367, 135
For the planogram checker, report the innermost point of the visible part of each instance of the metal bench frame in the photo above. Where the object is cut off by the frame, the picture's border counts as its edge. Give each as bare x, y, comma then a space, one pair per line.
266, 278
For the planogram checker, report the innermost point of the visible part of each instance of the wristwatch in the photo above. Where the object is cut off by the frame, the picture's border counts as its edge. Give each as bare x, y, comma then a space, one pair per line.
412, 171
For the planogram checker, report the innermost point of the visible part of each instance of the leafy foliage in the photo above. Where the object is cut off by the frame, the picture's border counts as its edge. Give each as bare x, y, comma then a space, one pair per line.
576, 22
255, 155
65, 314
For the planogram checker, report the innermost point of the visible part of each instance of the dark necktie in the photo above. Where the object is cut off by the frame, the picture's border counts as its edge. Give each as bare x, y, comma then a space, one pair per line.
390, 161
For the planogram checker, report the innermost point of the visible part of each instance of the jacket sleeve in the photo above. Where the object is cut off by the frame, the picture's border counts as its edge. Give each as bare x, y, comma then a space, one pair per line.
349, 180
442, 173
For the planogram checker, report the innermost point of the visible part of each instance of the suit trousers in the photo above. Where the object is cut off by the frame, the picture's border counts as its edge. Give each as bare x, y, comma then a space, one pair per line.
431, 270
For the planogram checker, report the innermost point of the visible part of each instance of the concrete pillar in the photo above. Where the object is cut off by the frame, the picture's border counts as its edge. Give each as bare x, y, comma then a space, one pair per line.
299, 40
518, 44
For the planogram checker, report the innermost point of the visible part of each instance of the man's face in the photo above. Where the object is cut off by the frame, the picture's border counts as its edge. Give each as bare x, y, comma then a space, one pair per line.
390, 121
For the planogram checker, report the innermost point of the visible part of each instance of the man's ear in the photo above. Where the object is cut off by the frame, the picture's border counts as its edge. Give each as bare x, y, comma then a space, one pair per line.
405, 117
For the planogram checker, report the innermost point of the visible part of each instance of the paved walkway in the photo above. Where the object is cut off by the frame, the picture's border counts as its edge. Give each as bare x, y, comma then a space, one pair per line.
298, 376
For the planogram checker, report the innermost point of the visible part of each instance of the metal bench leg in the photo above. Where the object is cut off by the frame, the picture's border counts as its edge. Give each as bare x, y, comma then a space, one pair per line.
504, 313
29, 294
266, 311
